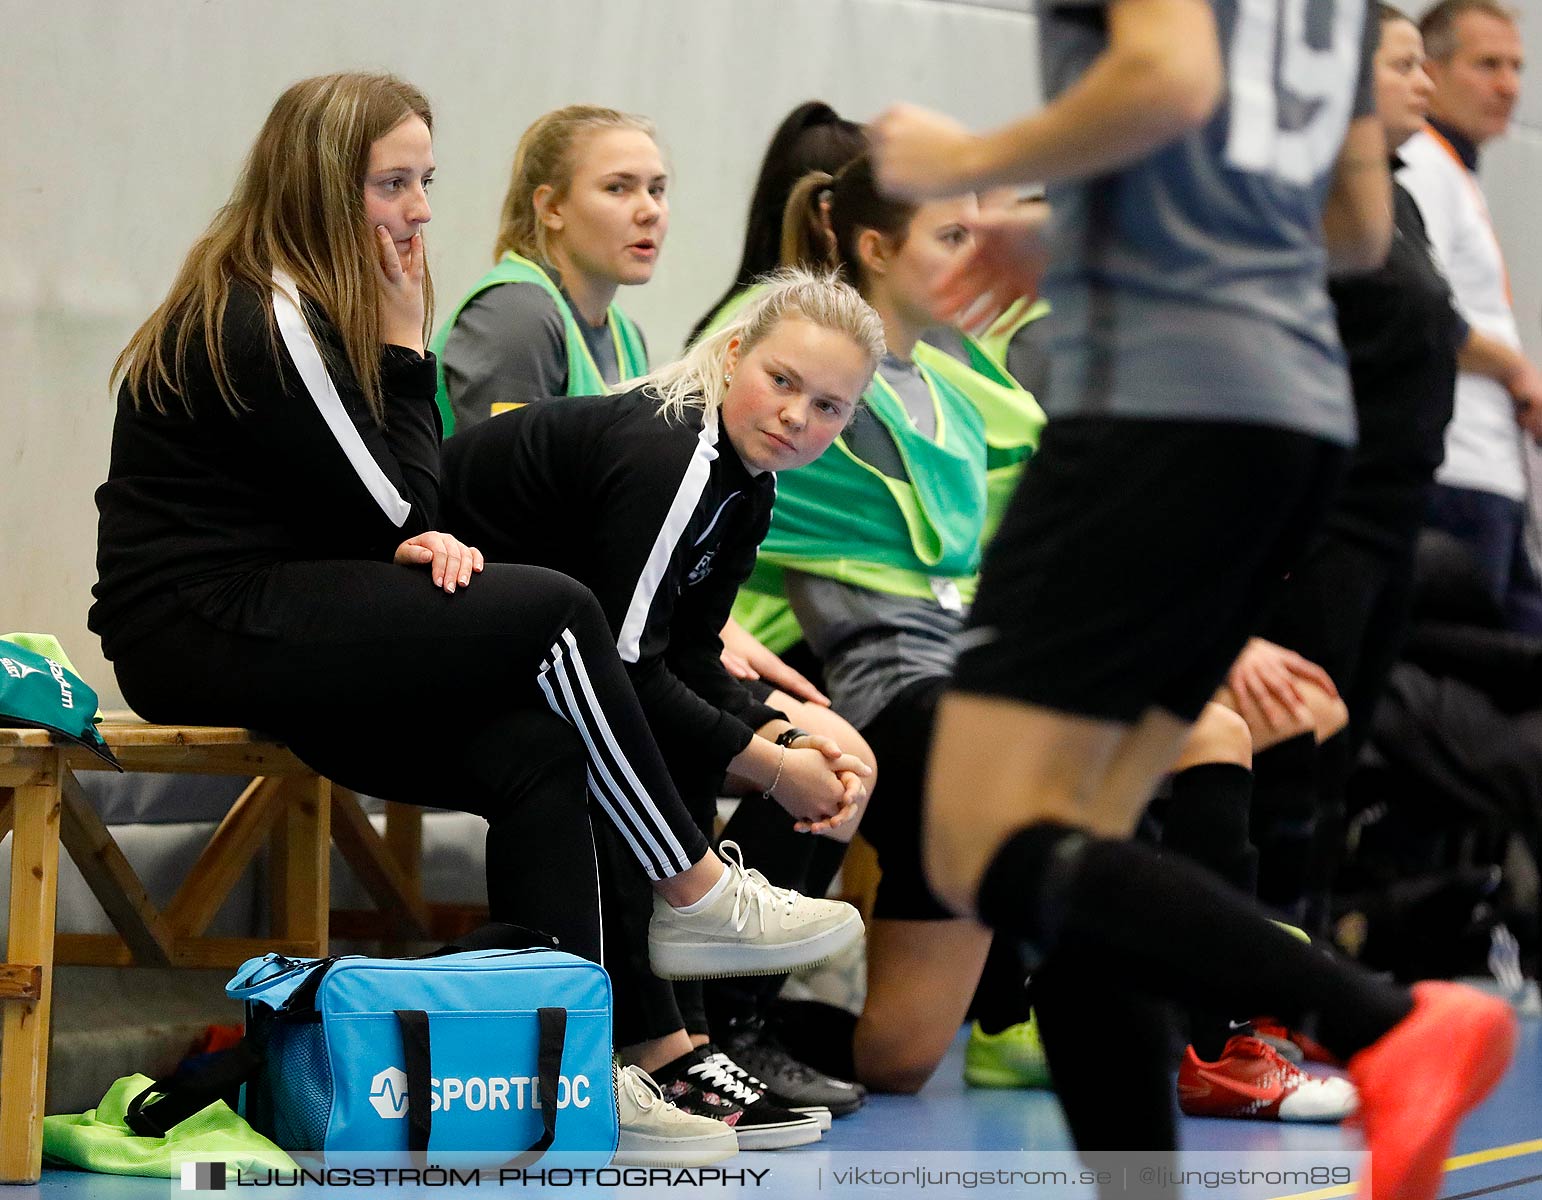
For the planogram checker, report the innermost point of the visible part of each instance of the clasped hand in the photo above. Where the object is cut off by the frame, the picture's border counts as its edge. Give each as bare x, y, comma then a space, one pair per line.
821, 786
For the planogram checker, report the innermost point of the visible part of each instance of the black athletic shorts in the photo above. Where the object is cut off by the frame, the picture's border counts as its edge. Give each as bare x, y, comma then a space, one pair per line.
901, 737
1136, 558
800, 658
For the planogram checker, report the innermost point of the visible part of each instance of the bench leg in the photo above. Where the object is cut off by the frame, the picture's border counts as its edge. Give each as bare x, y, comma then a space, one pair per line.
404, 838
301, 862
24, 1058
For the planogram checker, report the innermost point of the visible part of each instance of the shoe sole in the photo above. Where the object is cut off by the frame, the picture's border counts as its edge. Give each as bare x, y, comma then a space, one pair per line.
1484, 1047
640, 1150
779, 1137
733, 960
1273, 1118
839, 1108
989, 1077
843, 1107
819, 1112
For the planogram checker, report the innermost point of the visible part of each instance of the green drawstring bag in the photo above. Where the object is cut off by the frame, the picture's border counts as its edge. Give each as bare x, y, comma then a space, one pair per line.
100, 1140
39, 690
48, 646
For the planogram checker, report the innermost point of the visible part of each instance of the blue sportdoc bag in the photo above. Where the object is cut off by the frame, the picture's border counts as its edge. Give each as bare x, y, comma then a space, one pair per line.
477, 1054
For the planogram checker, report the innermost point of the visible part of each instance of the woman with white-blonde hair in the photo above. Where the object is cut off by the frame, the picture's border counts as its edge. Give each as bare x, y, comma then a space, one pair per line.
657, 499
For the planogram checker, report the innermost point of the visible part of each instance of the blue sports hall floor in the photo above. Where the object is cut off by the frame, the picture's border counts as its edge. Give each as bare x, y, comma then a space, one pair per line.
952, 1141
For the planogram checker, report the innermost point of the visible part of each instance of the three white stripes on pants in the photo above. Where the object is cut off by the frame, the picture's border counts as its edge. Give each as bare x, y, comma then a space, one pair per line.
612, 780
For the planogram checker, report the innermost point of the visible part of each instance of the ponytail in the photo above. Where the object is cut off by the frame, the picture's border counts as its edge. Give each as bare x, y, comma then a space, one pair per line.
812, 137
855, 204
807, 240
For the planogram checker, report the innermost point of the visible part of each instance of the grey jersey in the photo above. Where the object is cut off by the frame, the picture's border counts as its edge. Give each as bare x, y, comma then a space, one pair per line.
913, 392
1028, 358
1191, 284
873, 645
871, 441
509, 346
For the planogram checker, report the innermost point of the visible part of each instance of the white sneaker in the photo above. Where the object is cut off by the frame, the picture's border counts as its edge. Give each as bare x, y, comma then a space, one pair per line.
654, 1133
752, 928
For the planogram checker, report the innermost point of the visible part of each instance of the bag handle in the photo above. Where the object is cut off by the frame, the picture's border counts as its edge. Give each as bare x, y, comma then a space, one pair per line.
283, 970
188, 1091
417, 1058
497, 935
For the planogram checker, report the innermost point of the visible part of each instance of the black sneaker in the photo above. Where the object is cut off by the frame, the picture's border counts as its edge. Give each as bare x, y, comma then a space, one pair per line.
818, 1111
790, 1083
759, 1125
715, 1055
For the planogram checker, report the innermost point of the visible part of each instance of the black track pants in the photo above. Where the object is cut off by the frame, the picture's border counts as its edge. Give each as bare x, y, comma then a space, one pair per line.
505, 699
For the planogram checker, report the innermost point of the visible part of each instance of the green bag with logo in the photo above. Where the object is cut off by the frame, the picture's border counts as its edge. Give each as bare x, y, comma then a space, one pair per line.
40, 692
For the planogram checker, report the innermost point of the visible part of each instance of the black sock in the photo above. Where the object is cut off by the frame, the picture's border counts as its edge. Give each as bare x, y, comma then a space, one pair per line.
763, 829
1184, 934
1001, 997
1284, 821
1206, 820
818, 1034
1096, 1028
824, 861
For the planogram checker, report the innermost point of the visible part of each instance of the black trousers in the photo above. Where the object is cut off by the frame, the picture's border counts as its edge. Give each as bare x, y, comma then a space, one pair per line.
1346, 607
648, 1007
506, 699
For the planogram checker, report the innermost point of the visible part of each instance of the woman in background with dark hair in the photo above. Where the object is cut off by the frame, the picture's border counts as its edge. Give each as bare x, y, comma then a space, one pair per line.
812, 137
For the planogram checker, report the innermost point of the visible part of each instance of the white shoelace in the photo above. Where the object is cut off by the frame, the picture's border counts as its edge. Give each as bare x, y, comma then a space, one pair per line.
711, 1071
645, 1092
725, 1063
751, 887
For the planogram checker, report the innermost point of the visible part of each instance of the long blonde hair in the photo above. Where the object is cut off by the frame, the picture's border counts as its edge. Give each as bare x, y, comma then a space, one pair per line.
298, 206
696, 380
546, 155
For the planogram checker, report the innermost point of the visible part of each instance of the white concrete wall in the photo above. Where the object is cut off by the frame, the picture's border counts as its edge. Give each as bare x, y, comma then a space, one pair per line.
123, 124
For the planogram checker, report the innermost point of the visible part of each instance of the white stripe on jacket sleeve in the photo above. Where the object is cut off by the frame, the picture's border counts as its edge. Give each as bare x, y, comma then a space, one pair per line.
313, 373
692, 484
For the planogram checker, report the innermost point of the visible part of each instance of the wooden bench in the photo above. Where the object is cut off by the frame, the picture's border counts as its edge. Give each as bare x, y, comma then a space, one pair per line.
289, 807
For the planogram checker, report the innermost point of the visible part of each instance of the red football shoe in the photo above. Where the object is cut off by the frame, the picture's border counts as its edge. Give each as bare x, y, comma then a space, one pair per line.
1420, 1079
1252, 1080
1310, 1051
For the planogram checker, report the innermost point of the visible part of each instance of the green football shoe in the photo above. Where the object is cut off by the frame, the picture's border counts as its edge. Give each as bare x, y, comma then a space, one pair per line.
1013, 1058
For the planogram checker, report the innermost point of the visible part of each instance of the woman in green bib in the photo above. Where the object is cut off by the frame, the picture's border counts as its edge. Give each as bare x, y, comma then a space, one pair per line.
586, 213
876, 545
